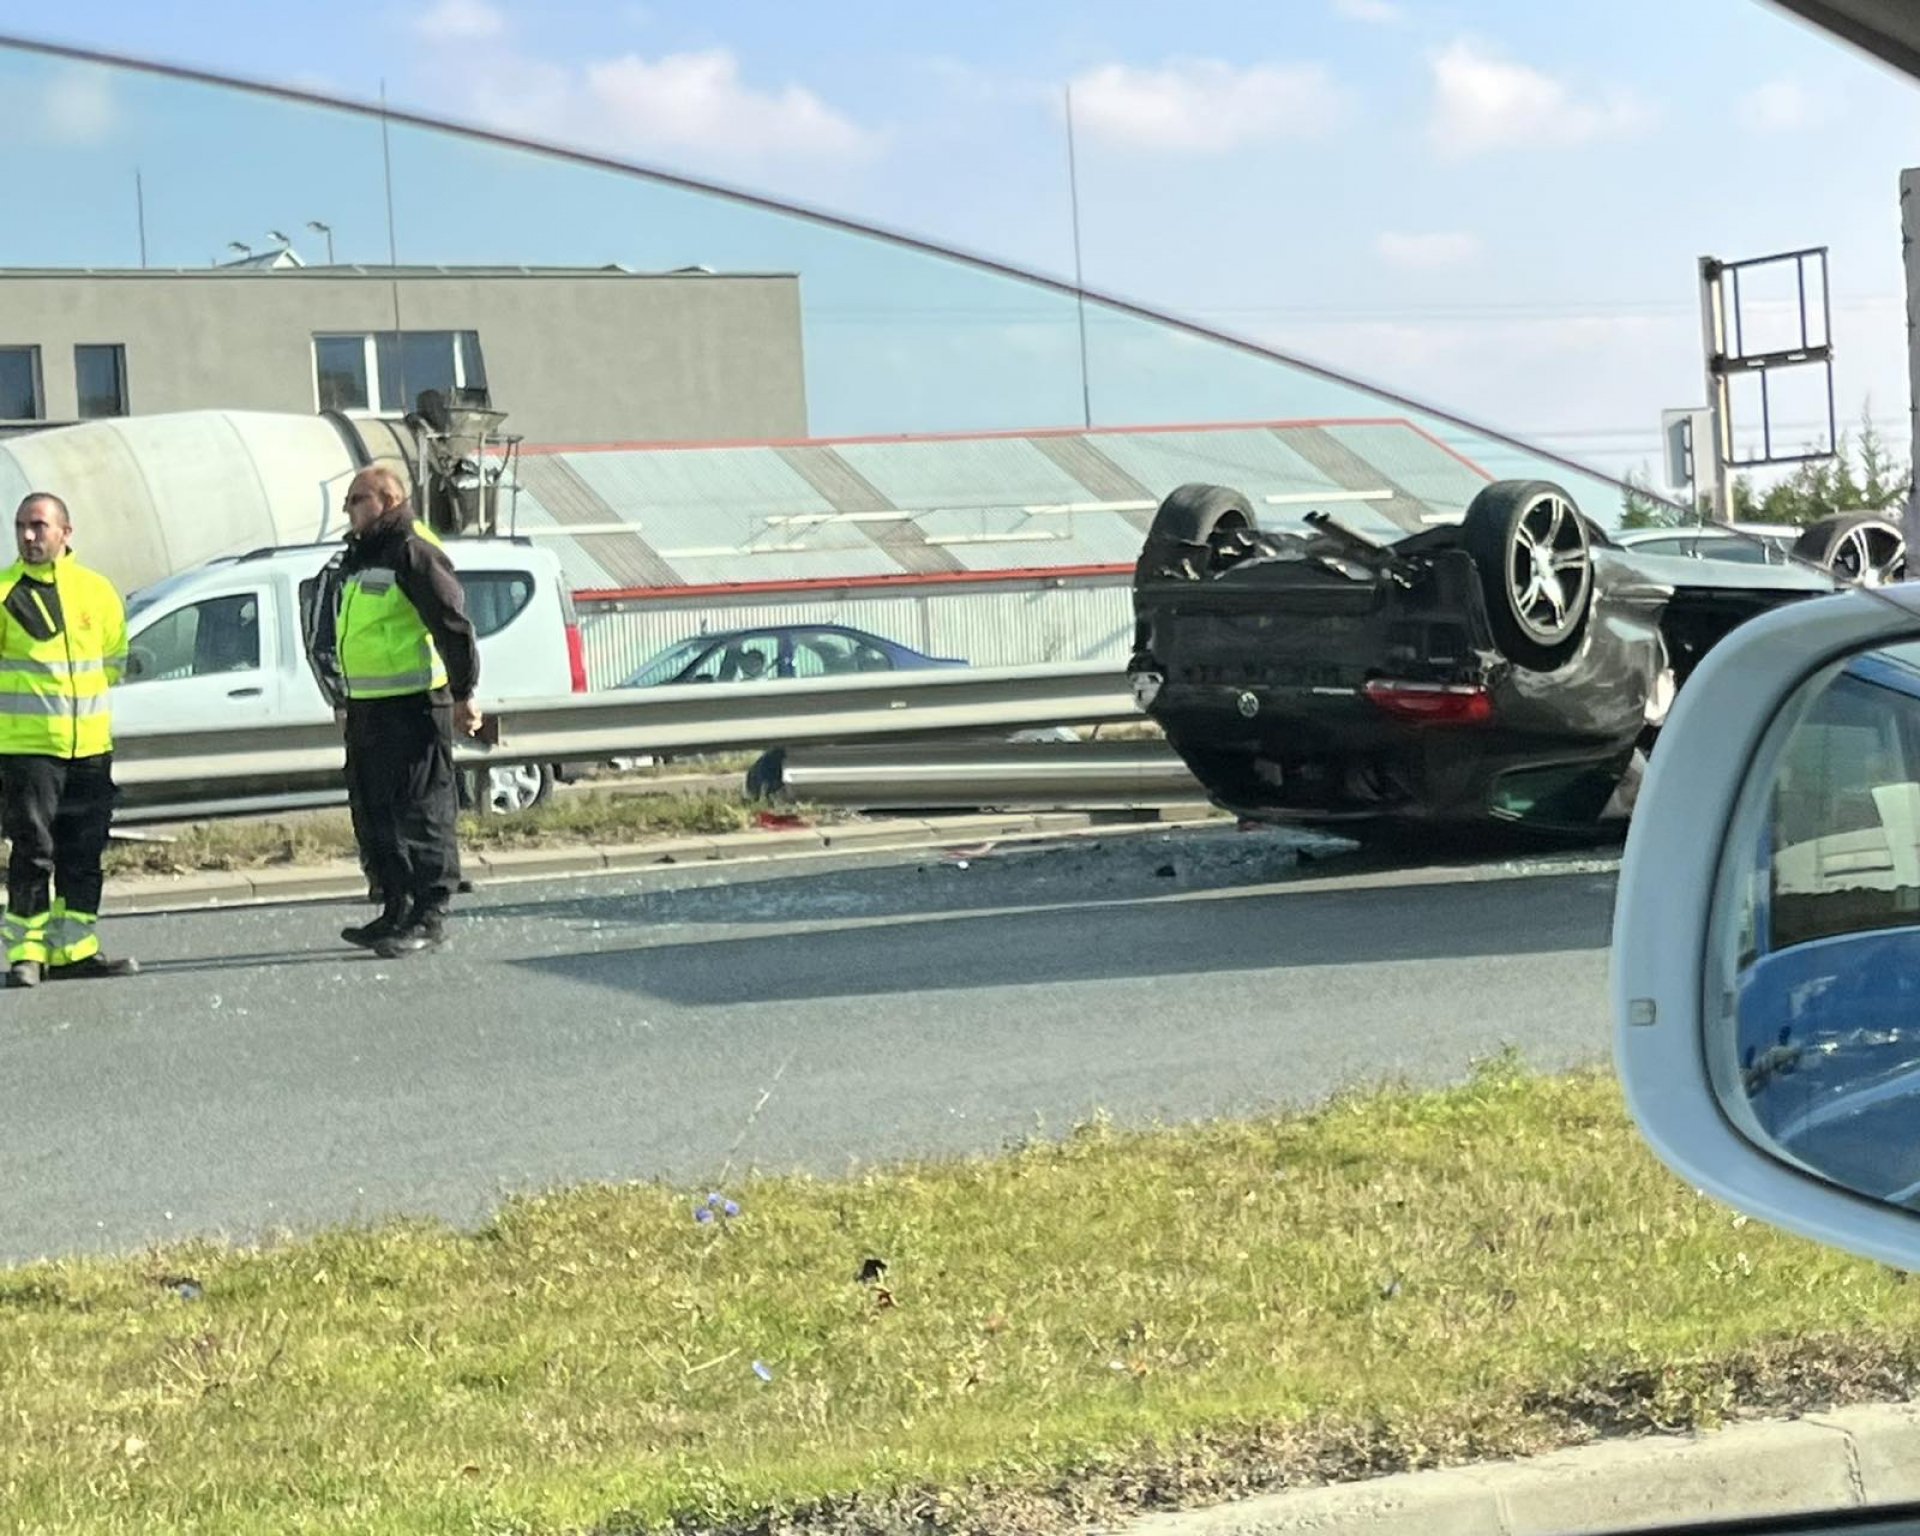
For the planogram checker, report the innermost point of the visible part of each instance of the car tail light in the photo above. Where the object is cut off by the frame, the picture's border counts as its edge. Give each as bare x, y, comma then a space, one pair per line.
1432, 703
576, 659
576, 647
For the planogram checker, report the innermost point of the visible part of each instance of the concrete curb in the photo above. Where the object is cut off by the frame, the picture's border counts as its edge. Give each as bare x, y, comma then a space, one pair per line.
1846, 1459
331, 881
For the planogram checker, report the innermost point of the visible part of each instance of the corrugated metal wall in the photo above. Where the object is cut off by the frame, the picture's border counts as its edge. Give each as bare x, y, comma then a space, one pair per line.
826, 510
990, 627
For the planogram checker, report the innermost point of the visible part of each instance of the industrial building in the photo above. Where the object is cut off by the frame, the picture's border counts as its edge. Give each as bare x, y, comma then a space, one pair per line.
1003, 549
574, 354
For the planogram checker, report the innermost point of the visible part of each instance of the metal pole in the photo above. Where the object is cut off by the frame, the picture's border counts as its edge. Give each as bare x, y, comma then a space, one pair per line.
1910, 260
1712, 471
140, 206
393, 250
1079, 282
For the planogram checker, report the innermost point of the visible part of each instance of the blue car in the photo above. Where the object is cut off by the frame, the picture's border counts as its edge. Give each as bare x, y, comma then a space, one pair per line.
782, 651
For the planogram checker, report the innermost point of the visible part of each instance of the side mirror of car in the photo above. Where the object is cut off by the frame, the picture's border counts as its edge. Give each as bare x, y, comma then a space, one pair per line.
1766, 947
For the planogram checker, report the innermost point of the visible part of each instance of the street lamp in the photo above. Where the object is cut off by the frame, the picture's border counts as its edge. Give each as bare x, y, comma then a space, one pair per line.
235, 245
323, 229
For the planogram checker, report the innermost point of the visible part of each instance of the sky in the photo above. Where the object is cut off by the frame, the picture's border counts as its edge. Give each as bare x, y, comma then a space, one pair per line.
1496, 206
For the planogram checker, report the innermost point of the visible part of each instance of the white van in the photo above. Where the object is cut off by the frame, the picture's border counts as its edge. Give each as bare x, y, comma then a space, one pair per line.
219, 646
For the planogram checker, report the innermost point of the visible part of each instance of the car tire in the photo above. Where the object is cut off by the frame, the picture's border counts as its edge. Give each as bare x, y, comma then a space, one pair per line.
1198, 531
1860, 548
1533, 549
766, 777
516, 788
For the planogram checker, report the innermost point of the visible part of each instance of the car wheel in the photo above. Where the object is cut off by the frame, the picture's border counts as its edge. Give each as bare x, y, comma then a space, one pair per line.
1865, 550
1534, 552
518, 787
1198, 531
766, 778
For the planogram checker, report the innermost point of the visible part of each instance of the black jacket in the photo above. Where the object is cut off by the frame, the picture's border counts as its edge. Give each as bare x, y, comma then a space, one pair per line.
428, 580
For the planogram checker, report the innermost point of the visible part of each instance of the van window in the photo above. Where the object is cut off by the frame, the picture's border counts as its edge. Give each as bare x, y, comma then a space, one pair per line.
495, 598
221, 634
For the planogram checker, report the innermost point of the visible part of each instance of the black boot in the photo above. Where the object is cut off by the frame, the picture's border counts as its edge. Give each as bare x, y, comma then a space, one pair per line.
426, 929
371, 935
94, 967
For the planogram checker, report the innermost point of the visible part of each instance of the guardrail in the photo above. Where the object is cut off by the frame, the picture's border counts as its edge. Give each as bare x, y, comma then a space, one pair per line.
1067, 776
184, 767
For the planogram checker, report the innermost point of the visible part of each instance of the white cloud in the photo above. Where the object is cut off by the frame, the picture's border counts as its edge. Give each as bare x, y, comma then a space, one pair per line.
1378, 12
78, 106
1425, 252
1779, 106
690, 109
461, 21
1204, 106
699, 101
1484, 102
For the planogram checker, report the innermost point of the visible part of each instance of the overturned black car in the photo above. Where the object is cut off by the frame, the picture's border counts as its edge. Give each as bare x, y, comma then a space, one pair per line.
1504, 670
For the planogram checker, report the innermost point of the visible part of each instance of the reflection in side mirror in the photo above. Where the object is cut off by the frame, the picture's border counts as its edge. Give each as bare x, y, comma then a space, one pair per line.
1815, 1049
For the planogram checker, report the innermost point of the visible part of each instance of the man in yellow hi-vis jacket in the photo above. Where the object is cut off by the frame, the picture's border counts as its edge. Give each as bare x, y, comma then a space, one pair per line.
407, 663
63, 643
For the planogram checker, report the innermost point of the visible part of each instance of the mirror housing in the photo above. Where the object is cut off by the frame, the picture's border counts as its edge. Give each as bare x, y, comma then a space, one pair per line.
1668, 994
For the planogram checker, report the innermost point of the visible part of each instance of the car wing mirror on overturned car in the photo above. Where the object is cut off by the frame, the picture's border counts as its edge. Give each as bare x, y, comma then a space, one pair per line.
1766, 947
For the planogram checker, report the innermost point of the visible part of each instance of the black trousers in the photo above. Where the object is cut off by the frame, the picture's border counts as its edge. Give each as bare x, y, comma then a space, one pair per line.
56, 812
401, 784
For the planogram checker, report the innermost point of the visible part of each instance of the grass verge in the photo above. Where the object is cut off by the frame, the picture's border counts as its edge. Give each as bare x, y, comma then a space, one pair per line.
1063, 1333
593, 816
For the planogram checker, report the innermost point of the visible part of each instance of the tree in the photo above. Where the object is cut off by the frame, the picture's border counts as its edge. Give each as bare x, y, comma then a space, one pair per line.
1819, 488
1640, 507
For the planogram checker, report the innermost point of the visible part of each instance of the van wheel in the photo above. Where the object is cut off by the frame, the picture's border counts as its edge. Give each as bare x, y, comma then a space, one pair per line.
517, 788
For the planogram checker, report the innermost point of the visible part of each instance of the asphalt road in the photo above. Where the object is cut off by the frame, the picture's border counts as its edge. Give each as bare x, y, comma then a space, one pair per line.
259, 1075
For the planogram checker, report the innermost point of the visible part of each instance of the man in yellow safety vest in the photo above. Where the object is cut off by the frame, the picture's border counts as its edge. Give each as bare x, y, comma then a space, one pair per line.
63, 643
408, 663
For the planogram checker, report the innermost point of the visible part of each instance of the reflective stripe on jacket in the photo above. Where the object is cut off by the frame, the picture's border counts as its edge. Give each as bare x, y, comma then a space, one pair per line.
63, 643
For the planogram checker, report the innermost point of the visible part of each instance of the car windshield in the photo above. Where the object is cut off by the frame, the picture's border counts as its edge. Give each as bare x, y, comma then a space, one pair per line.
1109, 1015
669, 664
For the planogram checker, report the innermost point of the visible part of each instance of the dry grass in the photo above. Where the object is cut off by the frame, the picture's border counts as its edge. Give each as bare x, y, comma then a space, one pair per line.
1066, 1332
594, 816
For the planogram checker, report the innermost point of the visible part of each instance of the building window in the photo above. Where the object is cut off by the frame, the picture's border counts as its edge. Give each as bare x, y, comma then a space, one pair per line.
100, 379
20, 394
340, 372
388, 370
